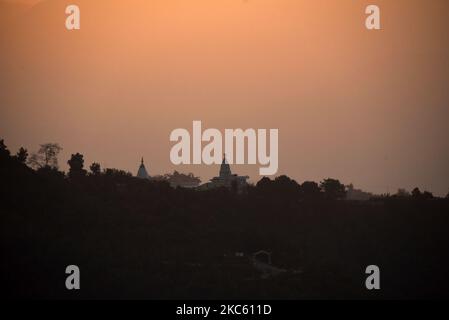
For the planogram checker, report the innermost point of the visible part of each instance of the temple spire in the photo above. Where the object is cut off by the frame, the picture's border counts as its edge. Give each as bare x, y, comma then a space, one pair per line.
225, 169
142, 172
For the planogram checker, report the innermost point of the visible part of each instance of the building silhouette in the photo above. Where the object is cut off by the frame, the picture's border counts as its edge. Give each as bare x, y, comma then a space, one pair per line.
226, 179
142, 172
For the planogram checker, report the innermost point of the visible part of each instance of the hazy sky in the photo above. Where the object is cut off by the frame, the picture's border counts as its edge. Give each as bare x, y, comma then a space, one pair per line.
367, 107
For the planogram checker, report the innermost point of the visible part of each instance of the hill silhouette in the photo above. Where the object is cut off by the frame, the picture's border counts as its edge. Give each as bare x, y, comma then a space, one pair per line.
135, 238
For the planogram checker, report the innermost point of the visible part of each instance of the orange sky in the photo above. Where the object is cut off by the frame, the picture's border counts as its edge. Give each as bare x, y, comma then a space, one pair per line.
369, 108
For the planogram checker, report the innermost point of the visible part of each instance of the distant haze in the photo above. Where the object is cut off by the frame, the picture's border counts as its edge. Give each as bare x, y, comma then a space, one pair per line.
367, 107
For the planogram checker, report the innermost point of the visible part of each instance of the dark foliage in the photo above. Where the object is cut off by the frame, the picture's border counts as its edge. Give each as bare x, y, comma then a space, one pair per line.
95, 168
135, 238
22, 155
76, 164
46, 156
333, 189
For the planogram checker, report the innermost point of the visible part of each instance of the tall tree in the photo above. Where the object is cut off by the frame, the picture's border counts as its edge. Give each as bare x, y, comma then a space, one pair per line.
265, 182
310, 189
286, 187
416, 193
76, 164
22, 155
4, 152
333, 189
46, 156
95, 168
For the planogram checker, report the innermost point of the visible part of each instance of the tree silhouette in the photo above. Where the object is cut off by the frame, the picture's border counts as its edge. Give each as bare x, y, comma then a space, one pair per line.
76, 164
95, 168
427, 195
286, 186
285, 182
263, 183
46, 156
416, 193
188, 238
333, 189
22, 155
310, 189
4, 152
117, 173
264, 186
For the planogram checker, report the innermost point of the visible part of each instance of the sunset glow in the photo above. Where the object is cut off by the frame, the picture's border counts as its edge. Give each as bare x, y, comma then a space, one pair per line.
368, 107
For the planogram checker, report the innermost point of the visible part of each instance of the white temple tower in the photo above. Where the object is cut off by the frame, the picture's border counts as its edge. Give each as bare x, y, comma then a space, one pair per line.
226, 179
142, 172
